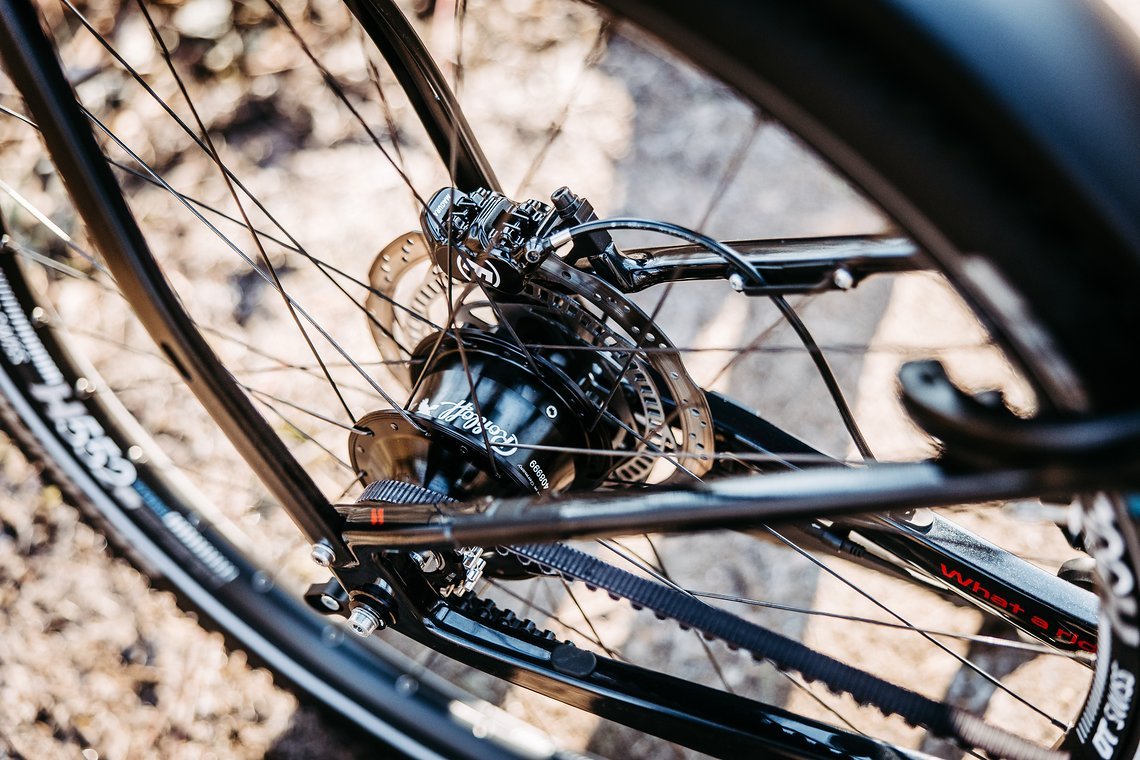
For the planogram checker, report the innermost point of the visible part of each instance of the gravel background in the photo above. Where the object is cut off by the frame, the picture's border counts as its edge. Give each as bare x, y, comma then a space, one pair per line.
94, 664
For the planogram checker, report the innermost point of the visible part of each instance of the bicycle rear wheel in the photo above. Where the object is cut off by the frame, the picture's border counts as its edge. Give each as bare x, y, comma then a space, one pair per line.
169, 533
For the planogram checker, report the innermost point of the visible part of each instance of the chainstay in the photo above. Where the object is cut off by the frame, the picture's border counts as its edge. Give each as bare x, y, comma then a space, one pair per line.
784, 653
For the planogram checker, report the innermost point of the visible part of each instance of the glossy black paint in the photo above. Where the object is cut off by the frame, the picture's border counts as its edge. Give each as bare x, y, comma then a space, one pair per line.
31, 63
1035, 601
1009, 87
479, 408
746, 501
798, 265
428, 91
919, 483
481, 236
985, 434
740, 430
706, 719
296, 639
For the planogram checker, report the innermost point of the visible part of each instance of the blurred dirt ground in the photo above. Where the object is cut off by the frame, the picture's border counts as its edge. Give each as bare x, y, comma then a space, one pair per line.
95, 664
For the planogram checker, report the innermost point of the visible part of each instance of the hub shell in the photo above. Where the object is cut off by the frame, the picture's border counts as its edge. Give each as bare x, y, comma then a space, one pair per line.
519, 430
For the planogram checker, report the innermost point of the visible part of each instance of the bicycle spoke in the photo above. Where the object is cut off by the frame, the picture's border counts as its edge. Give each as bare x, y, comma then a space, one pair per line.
783, 459
754, 345
53, 228
389, 117
839, 576
756, 348
451, 310
806, 689
49, 263
604, 406
17, 115
444, 333
340, 95
1023, 646
326, 268
553, 616
264, 275
634, 420
293, 244
597, 49
660, 566
282, 364
121, 345
217, 159
732, 167
514, 335
307, 436
316, 415
589, 623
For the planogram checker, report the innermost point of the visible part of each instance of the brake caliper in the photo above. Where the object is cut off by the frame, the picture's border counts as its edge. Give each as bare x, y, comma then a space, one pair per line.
485, 237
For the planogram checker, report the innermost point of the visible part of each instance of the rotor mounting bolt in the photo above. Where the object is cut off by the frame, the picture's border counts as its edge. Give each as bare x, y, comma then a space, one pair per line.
843, 279
322, 554
364, 620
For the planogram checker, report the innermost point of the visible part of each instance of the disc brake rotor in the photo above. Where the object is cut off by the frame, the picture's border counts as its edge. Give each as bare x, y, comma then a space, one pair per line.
405, 285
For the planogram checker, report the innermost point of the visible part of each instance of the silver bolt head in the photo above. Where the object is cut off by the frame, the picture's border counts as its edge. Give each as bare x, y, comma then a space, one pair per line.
843, 279
428, 561
736, 281
330, 602
322, 554
363, 621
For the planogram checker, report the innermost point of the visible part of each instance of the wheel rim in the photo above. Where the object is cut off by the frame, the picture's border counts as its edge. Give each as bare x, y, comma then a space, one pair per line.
246, 346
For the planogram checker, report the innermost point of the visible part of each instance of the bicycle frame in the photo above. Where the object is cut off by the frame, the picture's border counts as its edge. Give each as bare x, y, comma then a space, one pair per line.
683, 712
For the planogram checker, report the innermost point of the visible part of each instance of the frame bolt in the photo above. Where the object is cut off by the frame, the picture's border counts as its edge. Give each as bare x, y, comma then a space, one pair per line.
428, 561
322, 554
736, 281
370, 607
364, 620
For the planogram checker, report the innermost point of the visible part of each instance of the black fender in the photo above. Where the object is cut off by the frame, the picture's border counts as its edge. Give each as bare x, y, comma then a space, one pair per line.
1009, 128
1060, 79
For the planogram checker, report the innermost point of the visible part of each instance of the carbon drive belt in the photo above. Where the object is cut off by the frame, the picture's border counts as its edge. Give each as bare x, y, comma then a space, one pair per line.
784, 653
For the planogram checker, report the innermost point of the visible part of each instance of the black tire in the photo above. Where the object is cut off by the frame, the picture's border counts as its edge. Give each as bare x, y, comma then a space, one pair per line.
1046, 258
